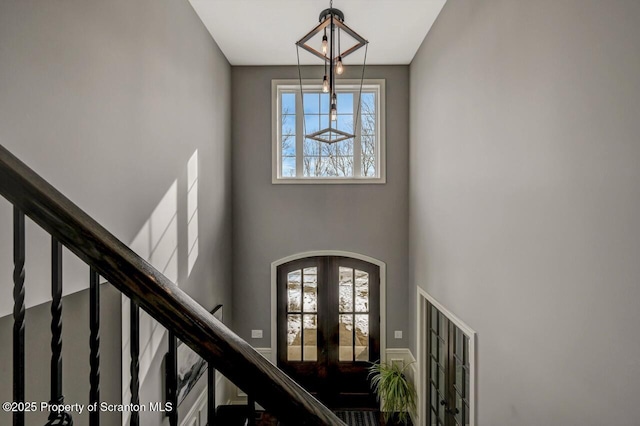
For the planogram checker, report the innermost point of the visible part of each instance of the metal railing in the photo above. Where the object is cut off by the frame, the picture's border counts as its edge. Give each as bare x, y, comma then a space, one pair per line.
148, 289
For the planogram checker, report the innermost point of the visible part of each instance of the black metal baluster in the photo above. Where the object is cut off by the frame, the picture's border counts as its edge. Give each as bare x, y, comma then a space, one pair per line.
135, 363
251, 409
172, 379
18, 313
211, 377
57, 418
211, 396
94, 344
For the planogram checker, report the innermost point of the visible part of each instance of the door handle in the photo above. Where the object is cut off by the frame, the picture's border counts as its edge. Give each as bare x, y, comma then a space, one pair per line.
452, 411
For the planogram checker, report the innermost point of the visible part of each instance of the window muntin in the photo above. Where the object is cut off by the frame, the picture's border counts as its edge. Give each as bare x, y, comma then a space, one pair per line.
297, 159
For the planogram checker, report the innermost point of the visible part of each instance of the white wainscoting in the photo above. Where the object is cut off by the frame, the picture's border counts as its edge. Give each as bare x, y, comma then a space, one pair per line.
405, 357
197, 414
391, 355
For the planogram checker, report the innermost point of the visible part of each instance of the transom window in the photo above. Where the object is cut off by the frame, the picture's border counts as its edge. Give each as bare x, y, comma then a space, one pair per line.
297, 159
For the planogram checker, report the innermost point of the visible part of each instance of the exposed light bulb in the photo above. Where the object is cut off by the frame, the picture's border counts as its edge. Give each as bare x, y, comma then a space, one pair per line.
339, 66
324, 44
325, 84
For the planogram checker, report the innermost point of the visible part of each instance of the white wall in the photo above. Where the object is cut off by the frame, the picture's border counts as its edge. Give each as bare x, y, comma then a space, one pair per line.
109, 101
525, 199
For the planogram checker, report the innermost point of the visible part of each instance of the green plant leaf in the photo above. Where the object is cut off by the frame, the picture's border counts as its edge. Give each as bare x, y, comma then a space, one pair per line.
393, 389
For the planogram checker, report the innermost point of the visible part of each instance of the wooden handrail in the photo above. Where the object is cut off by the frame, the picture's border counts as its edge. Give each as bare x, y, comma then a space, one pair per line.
158, 296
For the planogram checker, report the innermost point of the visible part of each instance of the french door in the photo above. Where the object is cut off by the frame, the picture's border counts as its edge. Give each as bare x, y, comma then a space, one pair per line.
329, 327
449, 371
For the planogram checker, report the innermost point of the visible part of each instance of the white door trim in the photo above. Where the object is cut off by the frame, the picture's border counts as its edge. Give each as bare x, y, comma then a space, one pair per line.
274, 294
422, 298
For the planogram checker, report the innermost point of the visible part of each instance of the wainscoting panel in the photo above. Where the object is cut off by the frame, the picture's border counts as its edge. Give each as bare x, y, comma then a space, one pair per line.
392, 355
197, 415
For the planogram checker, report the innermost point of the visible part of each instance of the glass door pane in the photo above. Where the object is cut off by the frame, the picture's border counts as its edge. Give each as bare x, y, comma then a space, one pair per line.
294, 338
362, 291
346, 290
353, 310
310, 349
438, 342
461, 377
362, 338
310, 303
362, 318
293, 292
346, 338
448, 380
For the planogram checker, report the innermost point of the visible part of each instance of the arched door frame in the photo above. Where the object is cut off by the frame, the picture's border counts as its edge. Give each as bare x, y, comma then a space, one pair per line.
274, 294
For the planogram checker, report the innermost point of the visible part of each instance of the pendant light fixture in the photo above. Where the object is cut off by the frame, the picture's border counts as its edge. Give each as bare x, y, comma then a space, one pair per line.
329, 50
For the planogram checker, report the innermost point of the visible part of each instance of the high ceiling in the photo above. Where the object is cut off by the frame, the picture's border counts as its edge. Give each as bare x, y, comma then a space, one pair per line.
264, 32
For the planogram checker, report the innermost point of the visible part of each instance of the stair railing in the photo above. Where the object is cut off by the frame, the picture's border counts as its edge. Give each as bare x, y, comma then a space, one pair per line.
148, 289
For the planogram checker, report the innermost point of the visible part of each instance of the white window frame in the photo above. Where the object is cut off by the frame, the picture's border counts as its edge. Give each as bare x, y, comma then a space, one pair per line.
279, 86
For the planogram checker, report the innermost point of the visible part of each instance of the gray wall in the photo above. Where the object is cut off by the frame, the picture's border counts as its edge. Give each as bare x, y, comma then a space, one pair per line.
75, 362
525, 199
108, 101
274, 221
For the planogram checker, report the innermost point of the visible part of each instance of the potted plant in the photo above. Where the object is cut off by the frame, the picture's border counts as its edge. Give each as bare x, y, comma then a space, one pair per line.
397, 393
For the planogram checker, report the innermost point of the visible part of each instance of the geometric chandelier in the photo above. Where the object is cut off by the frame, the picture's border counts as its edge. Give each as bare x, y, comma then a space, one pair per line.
332, 53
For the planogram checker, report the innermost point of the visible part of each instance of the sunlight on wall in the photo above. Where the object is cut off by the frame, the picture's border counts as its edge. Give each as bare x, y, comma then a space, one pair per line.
158, 242
192, 210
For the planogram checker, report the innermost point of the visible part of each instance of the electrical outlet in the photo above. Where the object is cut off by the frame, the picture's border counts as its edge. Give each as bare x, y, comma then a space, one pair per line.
398, 334
256, 334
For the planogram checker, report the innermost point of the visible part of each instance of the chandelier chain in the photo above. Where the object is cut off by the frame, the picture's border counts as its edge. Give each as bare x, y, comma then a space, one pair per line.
304, 124
364, 65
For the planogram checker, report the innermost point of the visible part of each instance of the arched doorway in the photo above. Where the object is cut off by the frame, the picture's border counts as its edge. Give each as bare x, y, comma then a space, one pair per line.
328, 326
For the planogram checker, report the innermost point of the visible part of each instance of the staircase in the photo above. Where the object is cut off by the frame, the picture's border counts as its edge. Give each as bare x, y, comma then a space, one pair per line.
148, 290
